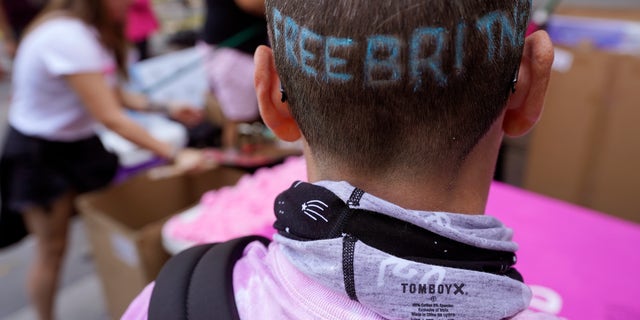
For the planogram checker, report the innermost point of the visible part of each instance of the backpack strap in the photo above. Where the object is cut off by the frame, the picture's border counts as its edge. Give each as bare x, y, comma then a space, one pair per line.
198, 282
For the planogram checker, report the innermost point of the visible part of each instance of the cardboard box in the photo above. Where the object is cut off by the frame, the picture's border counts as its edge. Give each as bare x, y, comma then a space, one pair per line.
124, 223
585, 149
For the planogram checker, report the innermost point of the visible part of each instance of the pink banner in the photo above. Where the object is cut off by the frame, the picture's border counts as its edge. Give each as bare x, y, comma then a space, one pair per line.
581, 264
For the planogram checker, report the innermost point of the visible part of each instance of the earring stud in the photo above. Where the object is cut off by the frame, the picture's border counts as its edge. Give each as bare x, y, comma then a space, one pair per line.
284, 97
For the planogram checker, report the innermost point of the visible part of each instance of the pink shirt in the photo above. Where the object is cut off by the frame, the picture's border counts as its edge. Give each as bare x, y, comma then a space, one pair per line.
267, 286
141, 21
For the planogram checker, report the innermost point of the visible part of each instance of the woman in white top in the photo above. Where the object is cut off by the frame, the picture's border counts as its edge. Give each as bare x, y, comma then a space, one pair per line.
65, 83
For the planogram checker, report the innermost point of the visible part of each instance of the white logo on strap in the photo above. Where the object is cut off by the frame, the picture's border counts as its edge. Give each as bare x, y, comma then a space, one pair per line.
314, 208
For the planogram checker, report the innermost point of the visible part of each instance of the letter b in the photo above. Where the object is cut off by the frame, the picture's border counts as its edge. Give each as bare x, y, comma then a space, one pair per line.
382, 65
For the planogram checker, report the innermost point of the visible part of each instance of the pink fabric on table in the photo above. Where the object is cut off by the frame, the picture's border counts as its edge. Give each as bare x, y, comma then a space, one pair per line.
581, 264
249, 204
141, 21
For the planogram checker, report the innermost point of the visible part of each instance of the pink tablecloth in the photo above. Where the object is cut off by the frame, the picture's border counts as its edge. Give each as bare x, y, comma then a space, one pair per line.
582, 264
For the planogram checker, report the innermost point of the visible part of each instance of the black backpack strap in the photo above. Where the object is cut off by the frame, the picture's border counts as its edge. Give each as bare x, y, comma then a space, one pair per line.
198, 282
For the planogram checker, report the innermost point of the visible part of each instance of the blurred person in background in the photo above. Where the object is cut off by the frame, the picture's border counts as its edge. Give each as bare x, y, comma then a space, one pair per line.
141, 24
65, 79
14, 18
15, 15
232, 31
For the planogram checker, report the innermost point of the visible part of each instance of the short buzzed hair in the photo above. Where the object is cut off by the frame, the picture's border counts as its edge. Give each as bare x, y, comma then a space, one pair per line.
379, 84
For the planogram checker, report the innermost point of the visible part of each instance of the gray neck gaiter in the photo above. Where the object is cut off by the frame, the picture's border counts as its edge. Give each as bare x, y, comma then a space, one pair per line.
396, 288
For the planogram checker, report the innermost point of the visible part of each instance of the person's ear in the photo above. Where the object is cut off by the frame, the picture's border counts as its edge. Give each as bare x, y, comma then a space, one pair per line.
526, 103
275, 113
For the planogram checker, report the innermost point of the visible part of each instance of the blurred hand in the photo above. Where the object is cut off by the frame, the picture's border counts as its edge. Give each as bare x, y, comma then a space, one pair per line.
193, 161
187, 115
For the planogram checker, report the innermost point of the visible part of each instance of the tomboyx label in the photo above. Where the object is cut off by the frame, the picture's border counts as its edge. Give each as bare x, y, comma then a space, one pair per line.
421, 288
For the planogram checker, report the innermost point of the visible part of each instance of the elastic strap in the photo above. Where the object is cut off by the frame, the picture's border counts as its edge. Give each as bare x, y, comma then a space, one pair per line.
198, 282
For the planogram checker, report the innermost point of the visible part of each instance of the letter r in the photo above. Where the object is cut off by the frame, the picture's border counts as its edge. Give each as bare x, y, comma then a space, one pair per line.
433, 63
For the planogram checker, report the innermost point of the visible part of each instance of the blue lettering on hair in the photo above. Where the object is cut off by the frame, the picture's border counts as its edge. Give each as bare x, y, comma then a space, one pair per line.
383, 61
507, 30
433, 63
306, 55
291, 30
277, 19
376, 45
331, 63
460, 37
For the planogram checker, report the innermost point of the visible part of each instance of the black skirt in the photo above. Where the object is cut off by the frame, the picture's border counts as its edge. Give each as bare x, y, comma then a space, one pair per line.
35, 171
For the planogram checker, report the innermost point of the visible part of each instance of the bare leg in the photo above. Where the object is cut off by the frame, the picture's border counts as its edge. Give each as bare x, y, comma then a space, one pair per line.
50, 230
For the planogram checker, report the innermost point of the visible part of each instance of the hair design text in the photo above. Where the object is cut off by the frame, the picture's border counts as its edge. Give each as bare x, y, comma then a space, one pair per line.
326, 58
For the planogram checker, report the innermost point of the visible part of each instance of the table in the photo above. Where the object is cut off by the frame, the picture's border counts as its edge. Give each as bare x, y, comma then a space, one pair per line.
580, 263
